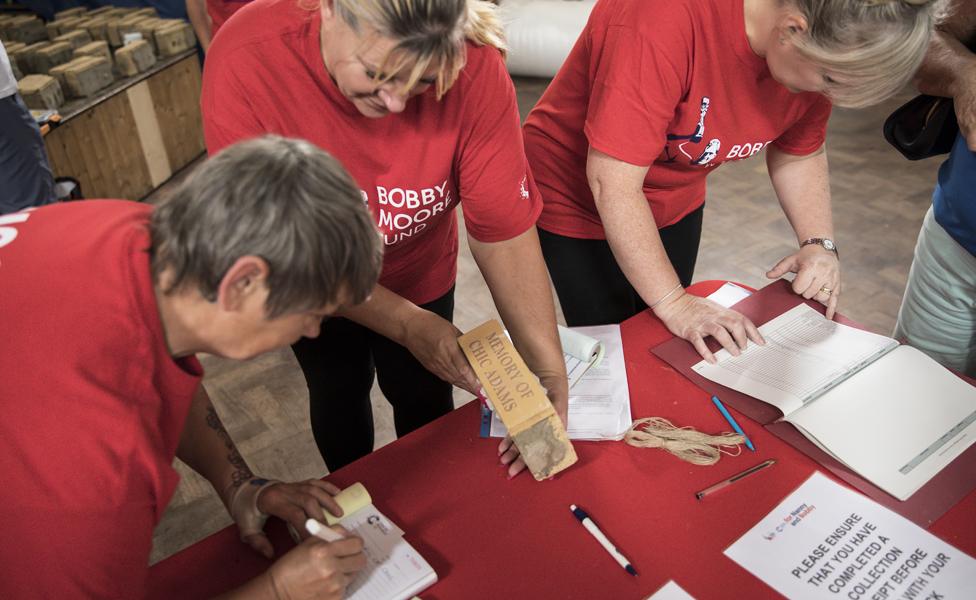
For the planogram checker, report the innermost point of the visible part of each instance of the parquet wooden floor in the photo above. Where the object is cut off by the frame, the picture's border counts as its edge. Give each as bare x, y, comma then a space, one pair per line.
879, 201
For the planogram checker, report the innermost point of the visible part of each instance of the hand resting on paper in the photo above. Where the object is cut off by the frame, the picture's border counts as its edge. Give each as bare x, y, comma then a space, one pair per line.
317, 569
433, 341
817, 275
558, 392
693, 319
290, 502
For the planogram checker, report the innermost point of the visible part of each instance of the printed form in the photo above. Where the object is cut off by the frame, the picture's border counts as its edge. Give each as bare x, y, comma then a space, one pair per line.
599, 402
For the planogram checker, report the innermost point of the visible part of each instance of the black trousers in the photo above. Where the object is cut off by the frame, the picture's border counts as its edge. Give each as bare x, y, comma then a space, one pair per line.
339, 367
591, 287
25, 175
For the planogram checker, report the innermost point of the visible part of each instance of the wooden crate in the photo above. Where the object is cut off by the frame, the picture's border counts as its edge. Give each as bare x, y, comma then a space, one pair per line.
128, 141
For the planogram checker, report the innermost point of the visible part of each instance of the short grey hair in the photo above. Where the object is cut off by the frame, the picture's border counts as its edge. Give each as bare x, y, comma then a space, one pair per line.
873, 46
283, 200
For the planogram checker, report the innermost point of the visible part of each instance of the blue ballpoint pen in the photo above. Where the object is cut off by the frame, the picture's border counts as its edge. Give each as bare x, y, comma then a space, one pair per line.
728, 417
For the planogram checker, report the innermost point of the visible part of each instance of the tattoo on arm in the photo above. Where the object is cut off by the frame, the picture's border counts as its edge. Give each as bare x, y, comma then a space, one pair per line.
241, 471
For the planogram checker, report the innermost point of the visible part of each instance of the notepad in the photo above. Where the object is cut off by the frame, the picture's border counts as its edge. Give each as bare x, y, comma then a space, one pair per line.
887, 411
394, 569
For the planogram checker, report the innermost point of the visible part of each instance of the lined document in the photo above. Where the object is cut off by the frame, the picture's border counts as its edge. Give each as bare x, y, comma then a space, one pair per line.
805, 355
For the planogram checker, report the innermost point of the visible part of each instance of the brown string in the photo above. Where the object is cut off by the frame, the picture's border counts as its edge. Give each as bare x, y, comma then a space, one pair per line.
684, 442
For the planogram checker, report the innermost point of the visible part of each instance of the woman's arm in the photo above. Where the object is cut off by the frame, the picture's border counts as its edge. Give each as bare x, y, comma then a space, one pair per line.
633, 236
207, 448
802, 185
429, 337
949, 68
196, 11
519, 282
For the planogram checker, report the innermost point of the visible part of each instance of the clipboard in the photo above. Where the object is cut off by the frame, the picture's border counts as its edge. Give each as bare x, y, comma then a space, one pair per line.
926, 505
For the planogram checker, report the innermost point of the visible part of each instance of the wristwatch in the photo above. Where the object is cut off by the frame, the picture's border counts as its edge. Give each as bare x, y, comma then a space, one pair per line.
827, 243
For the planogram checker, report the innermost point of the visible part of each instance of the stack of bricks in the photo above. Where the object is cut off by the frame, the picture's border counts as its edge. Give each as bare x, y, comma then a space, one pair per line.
80, 51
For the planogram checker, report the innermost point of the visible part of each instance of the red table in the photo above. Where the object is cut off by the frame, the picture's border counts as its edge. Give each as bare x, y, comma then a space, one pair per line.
487, 536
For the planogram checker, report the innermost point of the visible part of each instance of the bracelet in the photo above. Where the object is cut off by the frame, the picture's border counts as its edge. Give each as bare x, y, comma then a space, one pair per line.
665, 296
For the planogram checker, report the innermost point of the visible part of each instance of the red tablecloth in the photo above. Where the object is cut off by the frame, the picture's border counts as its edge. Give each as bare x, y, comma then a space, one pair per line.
487, 536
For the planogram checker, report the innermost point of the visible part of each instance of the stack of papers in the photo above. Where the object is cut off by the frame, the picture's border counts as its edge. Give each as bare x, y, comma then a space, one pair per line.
599, 401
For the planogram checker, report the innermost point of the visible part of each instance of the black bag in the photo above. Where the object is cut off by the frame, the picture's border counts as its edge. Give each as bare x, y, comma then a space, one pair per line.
924, 126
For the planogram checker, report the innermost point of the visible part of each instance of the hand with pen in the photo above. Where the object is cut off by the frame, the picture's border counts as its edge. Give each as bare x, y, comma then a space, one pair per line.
316, 568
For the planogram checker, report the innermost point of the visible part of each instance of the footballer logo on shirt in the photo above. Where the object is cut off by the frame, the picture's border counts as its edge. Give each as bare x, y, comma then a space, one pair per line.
405, 212
688, 144
524, 188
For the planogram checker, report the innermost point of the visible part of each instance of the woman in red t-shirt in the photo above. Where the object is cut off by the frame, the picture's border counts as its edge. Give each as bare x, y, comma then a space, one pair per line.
656, 94
412, 96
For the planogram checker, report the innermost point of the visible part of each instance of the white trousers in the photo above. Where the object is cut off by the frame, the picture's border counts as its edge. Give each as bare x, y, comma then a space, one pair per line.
938, 311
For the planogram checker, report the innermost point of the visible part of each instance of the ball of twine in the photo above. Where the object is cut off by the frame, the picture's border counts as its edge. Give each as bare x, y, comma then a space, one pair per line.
684, 442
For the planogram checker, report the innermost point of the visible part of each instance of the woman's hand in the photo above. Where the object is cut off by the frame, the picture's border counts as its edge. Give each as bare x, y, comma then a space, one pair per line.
433, 341
693, 318
557, 388
817, 275
290, 502
317, 569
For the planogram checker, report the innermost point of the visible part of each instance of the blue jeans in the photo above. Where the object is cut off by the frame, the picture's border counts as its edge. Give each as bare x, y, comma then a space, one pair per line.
25, 175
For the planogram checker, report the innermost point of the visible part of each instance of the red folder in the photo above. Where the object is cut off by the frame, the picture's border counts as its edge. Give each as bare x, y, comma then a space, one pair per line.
926, 505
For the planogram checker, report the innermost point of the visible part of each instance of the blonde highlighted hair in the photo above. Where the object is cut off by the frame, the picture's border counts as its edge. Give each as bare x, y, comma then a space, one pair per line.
428, 33
871, 48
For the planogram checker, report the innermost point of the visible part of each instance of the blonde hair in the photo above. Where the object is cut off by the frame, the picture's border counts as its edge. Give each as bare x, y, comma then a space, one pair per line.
870, 47
428, 33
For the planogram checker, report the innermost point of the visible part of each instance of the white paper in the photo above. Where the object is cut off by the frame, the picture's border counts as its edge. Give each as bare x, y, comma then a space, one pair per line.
671, 591
394, 569
826, 541
897, 422
804, 356
599, 403
729, 294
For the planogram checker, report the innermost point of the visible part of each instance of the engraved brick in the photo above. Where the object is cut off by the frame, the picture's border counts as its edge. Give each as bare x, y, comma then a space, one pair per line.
52, 56
27, 28
87, 76
41, 92
26, 56
77, 38
134, 58
175, 38
96, 28
96, 48
59, 71
70, 12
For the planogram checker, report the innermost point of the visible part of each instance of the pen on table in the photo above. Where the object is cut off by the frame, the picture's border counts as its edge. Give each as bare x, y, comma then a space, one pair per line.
590, 526
734, 478
728, 417
321, 531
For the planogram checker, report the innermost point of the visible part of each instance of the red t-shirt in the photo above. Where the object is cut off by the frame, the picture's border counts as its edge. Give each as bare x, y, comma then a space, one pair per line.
265, 74
91, 403
221, 10
672, 84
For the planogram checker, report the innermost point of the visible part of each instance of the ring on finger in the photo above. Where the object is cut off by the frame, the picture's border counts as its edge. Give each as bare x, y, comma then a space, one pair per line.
826, 290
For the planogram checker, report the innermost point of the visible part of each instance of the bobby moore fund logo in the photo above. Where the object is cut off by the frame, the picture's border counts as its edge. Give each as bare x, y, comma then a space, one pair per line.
790, 520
